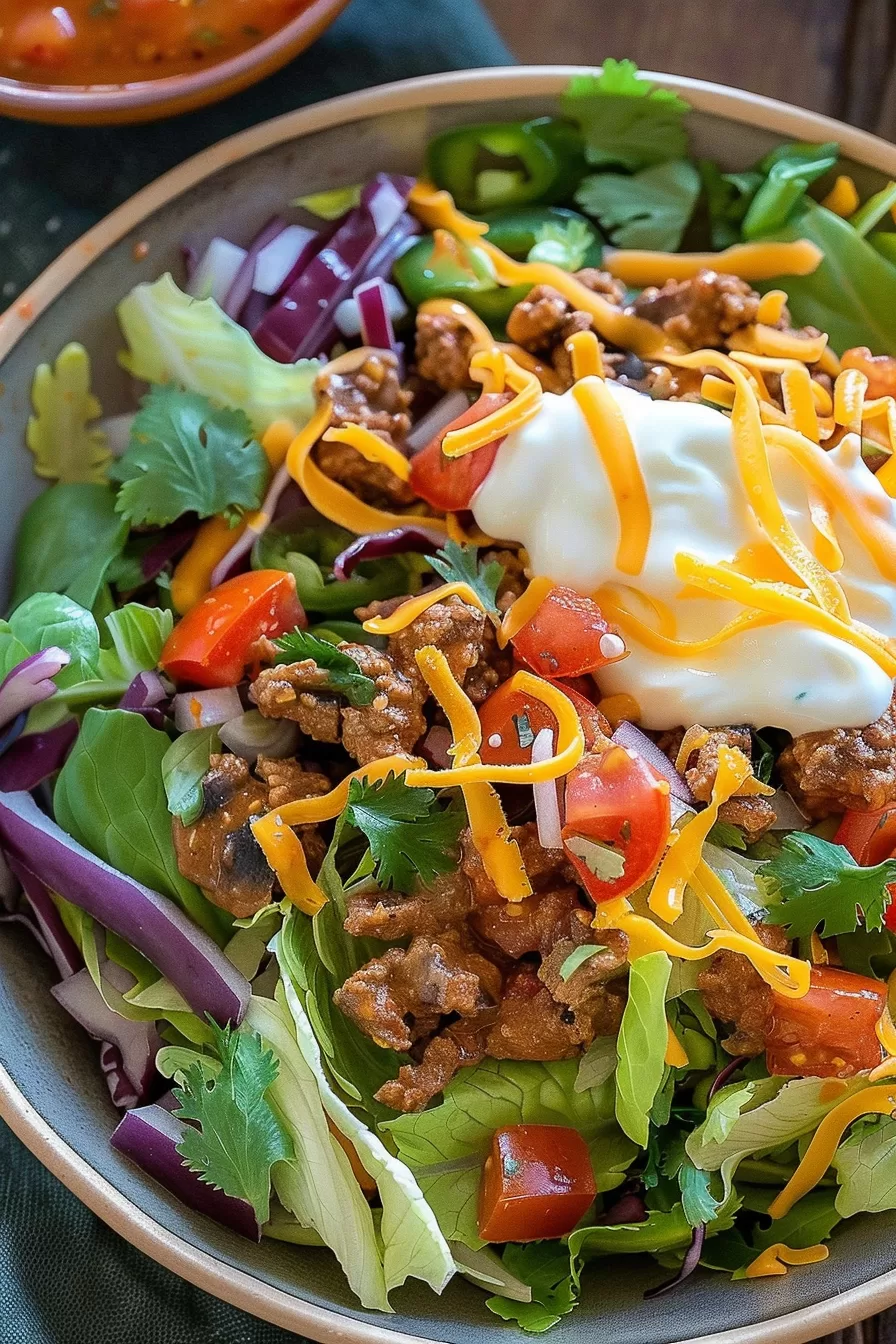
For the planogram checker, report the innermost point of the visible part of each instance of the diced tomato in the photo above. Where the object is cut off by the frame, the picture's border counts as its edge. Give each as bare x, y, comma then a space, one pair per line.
537, 1183
870, 838
42, 39
619, 806
511, 719
449, 483
214, 643
567, 636
830, 1032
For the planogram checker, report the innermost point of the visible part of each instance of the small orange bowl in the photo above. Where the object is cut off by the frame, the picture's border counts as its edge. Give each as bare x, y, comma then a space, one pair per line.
153, 99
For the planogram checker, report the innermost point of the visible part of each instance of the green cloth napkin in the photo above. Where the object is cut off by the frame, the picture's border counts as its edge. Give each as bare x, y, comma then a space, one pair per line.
65, 1278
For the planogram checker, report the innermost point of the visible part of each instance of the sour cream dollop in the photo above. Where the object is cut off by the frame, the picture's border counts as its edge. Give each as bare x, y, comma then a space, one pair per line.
548, 490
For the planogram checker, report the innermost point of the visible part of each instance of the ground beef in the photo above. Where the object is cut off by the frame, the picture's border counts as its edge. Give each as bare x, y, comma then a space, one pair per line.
443, 351
514, 582
536, 321
453, 627
546, 867
371, 481
389, 915
400, 997
733, 991
370, 395
843, 768
393, 722
290, 692
454, 1048
700, 312
219, 852
536, 924
595, 994
603, 283
530, 1023
753, 814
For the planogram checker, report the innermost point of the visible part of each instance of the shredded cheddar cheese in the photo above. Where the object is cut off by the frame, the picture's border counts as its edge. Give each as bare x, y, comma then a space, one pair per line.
523, 609
751, 261
676, 1056
408, 612
695, 737
618, 709
718, 902
771, 306
583, 349
371, 447
634, 628
525, 405
775, 1259
284, 852
879, 1100
309, 811
764, 340
613, 443
849, 399
843, 198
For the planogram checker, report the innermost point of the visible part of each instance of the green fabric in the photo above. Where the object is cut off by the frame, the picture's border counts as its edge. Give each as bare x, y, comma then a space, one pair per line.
64, 1277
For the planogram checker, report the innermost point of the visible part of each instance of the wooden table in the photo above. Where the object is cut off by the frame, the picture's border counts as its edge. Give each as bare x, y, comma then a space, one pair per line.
833, 56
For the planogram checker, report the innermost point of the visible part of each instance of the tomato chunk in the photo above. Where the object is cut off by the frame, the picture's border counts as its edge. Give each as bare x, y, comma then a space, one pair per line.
214, 643
830, 1032
512, 719
449, 483
618, 820
567, 636
537, 1183
870, 838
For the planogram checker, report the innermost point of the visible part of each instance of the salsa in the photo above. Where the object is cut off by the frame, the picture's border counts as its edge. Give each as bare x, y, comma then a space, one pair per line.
124, 41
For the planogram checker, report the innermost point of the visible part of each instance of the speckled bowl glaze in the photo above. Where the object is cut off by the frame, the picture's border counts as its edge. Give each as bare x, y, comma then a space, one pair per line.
51, 1091
152, 99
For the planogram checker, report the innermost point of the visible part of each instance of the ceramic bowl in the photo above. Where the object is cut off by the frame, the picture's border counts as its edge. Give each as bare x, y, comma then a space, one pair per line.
152, 99
51, 1091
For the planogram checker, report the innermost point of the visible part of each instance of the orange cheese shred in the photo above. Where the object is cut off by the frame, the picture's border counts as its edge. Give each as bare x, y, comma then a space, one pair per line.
517, 412
695, 737
618, 709
771, 306
849, 399
523, 609
751, 261
799, 403
403, 616
584, 351
283, 850
371, 447
878, 1100
764, 340
843, 198
309, 811
611, 438
676, 1056
774, 1260
633, 628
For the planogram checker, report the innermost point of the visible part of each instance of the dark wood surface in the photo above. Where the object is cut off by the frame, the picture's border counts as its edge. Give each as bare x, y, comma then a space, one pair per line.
833, 56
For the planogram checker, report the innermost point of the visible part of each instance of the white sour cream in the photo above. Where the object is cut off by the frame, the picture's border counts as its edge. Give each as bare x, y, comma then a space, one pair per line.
548, 490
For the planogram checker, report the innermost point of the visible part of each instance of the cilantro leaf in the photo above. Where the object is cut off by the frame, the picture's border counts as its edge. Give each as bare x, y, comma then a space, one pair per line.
410, 836
626, 120
697, 1200
240, 1137
459, 564
726, 835
565, 245
578, 957
818, 883
64, 447
651, 209
545, 1267
188, 456
342, 672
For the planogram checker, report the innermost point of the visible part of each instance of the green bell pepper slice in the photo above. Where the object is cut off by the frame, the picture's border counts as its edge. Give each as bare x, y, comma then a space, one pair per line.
539, 163
430, 271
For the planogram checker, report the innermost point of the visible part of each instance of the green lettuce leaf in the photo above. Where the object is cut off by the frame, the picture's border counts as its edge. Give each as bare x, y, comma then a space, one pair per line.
184, 766
190, 342
626, 120
650, 209
47, 620
446, 1146
110, 797
661, 1231
58, 433
545, 1266
641, 1045
50, 554
865, 1164
597, 1064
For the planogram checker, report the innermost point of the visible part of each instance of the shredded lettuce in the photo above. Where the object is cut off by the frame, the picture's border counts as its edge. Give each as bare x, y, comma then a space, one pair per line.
58, 434
50, 553
545, 1266
865, 1164
191, 342
641, 1044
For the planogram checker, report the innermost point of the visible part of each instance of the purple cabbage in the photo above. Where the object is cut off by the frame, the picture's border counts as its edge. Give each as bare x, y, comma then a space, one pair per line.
30, 682
13, 732
121, 1090
150, 1136
302, 323
147, 695
137, 1043
376, 545
53, 935
172, 543
36, 757
148, 921
628, 1207
242, 284
722, 1077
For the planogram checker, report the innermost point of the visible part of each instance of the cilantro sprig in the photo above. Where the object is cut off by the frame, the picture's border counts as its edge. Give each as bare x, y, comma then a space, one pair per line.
239, 1136
187, 455
818, 883
410, 835
625, 120
460, 564
343, 676
650, 209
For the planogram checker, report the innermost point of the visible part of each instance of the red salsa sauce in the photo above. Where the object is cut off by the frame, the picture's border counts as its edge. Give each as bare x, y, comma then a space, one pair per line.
125, 41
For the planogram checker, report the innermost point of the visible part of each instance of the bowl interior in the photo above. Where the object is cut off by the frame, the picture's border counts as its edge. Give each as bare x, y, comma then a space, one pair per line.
50, 1060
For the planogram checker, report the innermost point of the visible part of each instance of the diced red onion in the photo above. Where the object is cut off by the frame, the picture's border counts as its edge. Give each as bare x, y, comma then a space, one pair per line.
151, 923
376, 545
13, 731
58, 941
251, 735
204, 709
348, 317
287, 252
628, 1207
241, 287
138, 1042
448, 408
434, 747
122, 1092
228, 566
723, 1075
788, 816
627, 735
169, 546
146, 695
36, 757
688, 1265
30, 682
547, 809
216, 272
150, 1136
117, 429
375, 310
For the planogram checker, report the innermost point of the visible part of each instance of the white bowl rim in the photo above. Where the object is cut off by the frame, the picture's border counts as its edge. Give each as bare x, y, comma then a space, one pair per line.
457, 87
